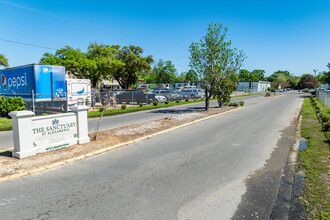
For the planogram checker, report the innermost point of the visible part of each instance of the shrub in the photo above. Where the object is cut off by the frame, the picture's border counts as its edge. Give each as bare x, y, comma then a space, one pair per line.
317, 110
101, 109
11, 104
177, 101
187, 100
327, 126
166, 102
311, 97
324, 119
321, 115
123, 106
267, 94
155, 103
230, 104
141, 104
235, 104
241, 103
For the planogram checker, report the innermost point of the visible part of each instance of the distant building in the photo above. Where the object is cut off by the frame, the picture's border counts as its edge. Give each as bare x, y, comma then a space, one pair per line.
253, 86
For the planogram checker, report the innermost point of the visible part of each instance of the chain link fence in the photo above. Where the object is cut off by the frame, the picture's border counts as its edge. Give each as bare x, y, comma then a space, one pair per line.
324, 97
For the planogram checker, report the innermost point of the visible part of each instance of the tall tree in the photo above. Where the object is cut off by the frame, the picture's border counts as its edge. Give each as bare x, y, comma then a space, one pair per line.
103, 62
98, 63
164, 72
135, 63
244, 74
308, 81
191, 76
259, 73
3, 61
214, 59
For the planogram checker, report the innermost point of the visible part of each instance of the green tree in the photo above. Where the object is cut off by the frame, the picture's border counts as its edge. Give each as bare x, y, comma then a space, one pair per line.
98, 63
260, 74
135, 64
191, 76
103, 62
244, 74
74, 60
164, 72
214, 59
308, 81
3, 61
224, 90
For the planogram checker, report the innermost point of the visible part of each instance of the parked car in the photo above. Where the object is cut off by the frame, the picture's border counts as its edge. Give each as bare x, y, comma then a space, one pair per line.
200, 93
189, 93
160, 98
137, 96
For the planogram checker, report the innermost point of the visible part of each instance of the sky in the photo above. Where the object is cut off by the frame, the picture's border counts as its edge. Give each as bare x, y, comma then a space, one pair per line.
274, 34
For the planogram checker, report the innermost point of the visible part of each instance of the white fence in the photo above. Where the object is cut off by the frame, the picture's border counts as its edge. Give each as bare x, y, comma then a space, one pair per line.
324, 97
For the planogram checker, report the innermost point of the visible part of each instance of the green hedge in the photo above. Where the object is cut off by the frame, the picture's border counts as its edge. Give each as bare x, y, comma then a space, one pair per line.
11, 104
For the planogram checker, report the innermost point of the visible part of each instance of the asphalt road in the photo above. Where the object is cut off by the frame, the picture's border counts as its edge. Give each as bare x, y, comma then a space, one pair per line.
6, 137
195, 172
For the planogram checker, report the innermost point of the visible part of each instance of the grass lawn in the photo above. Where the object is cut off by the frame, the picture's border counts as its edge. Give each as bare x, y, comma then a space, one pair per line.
315, 163
5, 124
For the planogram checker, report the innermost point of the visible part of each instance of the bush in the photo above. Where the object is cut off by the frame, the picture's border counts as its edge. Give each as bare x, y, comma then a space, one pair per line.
321, 115
177, 101
311, 97
155, 103
11, 104
324, 118
187, 100
123, 106
327, 126
101, 109
267, 94
141, 104
166, 102
230, 104
241, 103
235, 104
317, 110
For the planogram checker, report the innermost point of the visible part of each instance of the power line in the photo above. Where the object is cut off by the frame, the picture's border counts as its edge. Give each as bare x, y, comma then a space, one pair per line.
27, 44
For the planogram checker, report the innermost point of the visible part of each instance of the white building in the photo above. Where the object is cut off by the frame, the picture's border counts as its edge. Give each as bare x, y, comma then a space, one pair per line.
253, 86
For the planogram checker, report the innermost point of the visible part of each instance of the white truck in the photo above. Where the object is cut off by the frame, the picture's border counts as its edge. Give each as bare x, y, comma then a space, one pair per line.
78, 92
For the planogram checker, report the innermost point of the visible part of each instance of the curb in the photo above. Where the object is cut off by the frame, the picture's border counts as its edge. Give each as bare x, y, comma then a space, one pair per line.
100, 151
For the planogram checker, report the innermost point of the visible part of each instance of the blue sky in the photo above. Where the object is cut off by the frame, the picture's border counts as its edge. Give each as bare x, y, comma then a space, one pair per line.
274, 34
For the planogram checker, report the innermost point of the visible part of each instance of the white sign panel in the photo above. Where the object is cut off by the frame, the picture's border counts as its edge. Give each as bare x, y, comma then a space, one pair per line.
55, 132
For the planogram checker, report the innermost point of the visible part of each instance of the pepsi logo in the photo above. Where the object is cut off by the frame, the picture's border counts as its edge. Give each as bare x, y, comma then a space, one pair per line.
3, 82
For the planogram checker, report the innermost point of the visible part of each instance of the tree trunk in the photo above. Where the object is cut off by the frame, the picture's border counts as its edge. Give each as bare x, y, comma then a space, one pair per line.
207, 100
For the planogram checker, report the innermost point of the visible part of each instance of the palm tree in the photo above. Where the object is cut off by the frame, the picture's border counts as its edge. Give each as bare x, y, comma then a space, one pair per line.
3, 61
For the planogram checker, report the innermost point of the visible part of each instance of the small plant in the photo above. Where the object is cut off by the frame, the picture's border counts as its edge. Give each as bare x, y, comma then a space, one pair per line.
241, 103
123, 106
141, 104
267, 94
317, 109
327, 126
229, 103
324, 119
101, 109
187, 100
235, 104
321, 115
166, 102
177, 101
155, 103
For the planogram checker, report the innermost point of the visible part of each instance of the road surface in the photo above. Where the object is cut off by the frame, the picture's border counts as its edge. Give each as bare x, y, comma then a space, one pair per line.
195, 172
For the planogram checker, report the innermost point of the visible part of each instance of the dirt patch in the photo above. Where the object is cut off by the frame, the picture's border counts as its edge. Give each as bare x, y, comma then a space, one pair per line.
10, 166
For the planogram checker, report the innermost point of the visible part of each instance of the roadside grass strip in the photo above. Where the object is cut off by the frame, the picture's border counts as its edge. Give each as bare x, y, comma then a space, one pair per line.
109, 148
314, 162
5, 124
